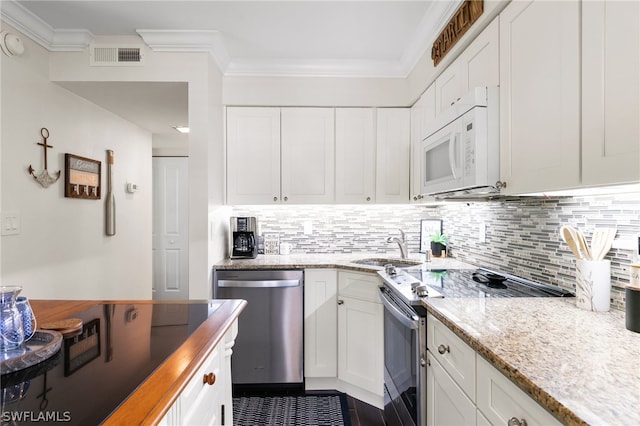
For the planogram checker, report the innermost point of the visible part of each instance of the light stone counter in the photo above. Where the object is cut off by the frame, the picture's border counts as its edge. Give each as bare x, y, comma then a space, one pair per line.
583, 366
344, 261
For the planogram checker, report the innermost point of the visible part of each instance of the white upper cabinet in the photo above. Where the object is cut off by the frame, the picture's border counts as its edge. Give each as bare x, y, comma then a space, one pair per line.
610, 92
392, 152
253, 155
423, 112
540, 95
307, 141
355, 155
477, 65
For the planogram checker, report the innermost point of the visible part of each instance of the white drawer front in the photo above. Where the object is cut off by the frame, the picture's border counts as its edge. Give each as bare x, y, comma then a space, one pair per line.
499, 399
359, 286
200, 401
455, 356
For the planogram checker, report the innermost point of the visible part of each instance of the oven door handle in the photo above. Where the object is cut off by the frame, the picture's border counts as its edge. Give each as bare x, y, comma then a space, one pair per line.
410, 322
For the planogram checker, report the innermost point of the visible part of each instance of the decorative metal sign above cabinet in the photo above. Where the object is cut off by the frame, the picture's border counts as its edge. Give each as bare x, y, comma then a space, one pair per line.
468, 12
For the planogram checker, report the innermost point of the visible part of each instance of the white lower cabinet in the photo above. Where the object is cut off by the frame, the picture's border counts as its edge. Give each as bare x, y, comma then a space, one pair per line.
447, 404
207, 398
344, 334
465, 389
360, 336
320, 323
500, 400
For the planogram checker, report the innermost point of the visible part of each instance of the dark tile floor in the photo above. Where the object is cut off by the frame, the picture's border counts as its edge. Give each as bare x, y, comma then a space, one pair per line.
363, 414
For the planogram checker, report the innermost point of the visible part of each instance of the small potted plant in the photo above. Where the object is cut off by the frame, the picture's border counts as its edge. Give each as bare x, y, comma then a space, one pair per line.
439, 243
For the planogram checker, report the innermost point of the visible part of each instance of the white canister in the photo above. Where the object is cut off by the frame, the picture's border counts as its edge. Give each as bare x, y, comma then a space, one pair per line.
593, 285
285, 248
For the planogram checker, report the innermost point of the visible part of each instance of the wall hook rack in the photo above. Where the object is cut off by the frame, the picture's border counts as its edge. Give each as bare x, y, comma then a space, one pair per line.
44, 178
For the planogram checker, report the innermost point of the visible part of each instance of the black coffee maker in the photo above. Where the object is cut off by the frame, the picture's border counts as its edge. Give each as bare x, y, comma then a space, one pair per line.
244, 237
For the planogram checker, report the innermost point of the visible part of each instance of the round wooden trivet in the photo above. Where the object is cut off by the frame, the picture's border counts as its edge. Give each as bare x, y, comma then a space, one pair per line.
65, 326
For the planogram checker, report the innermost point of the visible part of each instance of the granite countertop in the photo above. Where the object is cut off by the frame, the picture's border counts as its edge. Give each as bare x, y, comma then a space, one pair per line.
344, 261
583, 366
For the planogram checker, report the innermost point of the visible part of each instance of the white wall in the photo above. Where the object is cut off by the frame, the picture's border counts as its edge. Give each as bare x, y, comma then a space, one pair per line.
206, 137
62, 251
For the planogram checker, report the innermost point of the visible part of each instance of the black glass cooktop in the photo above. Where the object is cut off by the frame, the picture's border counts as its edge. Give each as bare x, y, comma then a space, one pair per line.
94, 372
483, 283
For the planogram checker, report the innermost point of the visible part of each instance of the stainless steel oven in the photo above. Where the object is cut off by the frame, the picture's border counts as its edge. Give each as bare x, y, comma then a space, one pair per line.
405, 352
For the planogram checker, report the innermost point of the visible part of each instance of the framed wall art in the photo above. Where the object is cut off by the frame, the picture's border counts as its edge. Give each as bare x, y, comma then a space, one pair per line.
81, 177
428, 227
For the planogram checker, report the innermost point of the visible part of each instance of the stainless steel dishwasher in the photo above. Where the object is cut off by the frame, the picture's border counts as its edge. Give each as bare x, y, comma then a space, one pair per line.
268, 352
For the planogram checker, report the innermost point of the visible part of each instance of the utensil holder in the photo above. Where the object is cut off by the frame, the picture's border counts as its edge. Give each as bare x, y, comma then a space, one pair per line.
593, 285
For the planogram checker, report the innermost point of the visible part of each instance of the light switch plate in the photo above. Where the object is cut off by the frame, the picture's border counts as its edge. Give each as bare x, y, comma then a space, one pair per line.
10, 223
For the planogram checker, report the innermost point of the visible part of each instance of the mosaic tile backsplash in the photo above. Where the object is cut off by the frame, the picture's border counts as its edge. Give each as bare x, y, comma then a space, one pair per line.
521, 235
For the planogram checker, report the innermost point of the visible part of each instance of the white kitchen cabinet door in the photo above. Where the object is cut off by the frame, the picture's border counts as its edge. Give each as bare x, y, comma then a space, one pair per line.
423, 113
308, 164
253, 155
610, 92
360, 344
320, 323
392, 151
477, 65
499, 399
355, 155
540, 95
446, 403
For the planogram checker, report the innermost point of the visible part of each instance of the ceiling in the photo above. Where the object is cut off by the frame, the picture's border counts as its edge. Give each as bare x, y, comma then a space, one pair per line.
303, 37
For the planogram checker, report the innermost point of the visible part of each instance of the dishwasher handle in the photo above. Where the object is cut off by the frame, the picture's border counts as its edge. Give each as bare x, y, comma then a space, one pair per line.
258, 283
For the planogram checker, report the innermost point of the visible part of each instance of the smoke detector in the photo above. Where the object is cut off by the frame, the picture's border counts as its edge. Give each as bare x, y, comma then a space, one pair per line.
11, 44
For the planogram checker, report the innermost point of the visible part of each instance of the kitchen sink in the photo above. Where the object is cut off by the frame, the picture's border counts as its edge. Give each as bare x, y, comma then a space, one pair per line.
398, 263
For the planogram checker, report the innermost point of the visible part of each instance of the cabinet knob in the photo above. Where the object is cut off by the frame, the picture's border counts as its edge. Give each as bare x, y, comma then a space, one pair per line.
442, 349
286, 198
209, 379
500, 185
275, 198
340, 301
424, 362
515, 422
368, 198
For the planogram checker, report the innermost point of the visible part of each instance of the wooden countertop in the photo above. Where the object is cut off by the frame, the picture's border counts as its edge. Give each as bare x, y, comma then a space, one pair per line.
153, 398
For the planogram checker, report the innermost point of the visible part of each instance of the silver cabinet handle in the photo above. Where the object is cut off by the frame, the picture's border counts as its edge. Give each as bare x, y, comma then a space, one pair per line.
286, 198
424, 362
515, 422
442, 349
275, 198
368, 198
340, 301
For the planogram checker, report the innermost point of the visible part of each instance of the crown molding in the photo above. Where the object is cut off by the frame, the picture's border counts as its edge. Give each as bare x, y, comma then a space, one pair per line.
188, 41
211, 41
42, 33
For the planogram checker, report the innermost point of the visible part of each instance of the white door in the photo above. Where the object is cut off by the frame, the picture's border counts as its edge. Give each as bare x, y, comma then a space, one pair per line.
170, 228
308, 159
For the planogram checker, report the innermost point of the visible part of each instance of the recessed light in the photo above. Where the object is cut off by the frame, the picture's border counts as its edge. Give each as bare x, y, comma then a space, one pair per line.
181, 129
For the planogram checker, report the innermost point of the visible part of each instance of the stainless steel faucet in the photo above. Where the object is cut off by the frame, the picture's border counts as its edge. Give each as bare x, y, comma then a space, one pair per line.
402, 243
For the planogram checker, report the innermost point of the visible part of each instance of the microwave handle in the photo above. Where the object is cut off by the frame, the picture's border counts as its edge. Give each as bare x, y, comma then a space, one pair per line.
453, 161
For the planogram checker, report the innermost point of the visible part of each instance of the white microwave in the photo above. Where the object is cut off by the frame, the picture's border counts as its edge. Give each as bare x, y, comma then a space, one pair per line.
461, 154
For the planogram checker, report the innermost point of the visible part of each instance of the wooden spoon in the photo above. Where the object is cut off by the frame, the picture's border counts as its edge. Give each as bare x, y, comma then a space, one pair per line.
567, 235
582, 243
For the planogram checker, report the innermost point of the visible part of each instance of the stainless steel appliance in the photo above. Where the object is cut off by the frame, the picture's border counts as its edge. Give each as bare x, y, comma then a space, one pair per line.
243, 238
405, 351
268, 352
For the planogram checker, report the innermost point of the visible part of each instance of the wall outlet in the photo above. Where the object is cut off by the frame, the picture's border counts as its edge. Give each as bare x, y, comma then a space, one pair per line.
482, 232
308, 227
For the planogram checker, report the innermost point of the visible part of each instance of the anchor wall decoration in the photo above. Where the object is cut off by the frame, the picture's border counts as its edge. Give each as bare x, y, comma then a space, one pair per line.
44, 178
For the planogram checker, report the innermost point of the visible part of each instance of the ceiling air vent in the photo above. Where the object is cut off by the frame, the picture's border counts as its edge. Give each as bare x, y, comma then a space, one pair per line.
115, 56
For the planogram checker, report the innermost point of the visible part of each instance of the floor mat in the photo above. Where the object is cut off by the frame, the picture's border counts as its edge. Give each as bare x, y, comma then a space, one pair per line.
306, 410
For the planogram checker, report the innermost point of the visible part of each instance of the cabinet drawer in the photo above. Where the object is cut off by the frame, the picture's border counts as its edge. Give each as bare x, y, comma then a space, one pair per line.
359, 286
447, 404
499, 399
200, 401
455, 356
